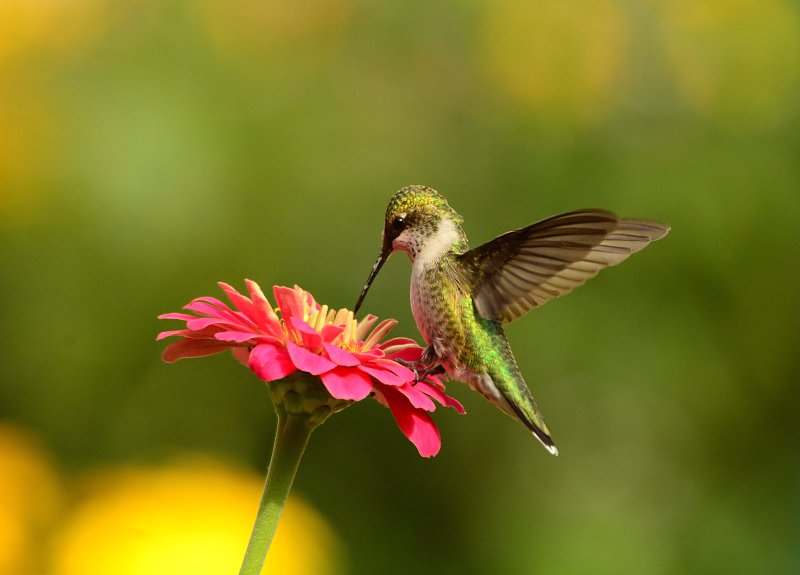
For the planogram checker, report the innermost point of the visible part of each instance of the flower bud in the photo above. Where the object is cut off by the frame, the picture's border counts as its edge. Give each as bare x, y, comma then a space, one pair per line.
304, 395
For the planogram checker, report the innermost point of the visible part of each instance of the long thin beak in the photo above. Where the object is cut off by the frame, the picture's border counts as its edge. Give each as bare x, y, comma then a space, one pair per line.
385, 253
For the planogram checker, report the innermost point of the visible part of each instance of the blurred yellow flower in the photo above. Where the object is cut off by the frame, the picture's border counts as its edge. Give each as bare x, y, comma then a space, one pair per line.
30, 498
562, 59
56, 27
734, 60
191, 518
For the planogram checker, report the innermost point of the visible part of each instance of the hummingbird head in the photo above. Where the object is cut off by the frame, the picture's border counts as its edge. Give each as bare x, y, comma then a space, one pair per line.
418, 221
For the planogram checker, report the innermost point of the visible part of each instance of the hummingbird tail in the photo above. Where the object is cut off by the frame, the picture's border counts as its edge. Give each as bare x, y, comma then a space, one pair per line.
541, 434
522, 407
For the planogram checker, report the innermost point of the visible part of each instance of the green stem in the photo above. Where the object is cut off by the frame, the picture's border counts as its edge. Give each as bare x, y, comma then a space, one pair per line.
291, 439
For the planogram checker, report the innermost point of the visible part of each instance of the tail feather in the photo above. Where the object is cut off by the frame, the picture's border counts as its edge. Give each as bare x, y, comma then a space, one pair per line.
520, 404
539, 428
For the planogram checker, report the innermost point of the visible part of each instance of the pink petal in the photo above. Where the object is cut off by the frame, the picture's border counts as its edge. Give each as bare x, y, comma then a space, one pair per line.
237, 336
208, 306
310, 302
379, 333
343, 383
216, 302
241, 302
308, 361
289, 301
364, 326
270, 362
242, 355
331, 332
216, 308
368, 356
440, 396
192, 348
312, 340
206, 309
415, 424
260, 300
166, 334
388, 372
405, 351
417, 398
177, 315
340, 356
199, 323
400, 341
205, 333
258, 310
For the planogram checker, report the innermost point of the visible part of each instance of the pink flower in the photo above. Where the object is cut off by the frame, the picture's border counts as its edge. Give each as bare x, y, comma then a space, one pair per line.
347, 355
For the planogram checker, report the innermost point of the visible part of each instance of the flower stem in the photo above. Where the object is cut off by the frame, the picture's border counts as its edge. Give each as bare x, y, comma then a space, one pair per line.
291, 439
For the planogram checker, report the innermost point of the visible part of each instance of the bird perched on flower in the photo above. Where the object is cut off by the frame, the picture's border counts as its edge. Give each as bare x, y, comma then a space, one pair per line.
461, 297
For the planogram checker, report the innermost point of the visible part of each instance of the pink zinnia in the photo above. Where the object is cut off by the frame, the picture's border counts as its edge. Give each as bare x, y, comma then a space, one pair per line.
347, 355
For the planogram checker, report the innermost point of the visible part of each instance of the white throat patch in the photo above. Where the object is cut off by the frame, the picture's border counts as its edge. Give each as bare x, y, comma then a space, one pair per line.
437, 244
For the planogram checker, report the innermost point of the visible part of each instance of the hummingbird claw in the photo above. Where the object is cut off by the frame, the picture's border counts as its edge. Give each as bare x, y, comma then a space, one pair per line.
422, 369
413, 366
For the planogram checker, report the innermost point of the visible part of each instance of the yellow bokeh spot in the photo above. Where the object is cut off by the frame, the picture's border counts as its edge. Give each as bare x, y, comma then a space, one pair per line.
52, 27
30, 497
193, 518
562, 59
737, 61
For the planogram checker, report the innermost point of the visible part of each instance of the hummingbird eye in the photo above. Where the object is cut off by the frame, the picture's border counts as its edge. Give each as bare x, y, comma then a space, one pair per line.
398, 224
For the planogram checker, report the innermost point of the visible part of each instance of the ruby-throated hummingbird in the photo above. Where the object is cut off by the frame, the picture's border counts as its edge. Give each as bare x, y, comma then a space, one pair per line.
460, 298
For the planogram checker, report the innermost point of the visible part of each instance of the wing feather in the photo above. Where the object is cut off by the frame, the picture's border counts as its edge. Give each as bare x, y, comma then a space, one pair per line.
526, 268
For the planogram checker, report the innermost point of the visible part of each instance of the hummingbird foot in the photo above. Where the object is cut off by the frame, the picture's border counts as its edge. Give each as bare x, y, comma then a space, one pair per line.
424, 373
426, 366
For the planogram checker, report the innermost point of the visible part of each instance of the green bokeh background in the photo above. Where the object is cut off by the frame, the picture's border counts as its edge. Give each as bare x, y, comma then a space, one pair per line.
151, 149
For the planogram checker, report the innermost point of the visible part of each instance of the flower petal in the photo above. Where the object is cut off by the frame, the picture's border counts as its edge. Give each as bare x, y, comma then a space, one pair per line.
364, 326
242, 355
367, 356
312, 340
417, 398
308, 361
237, 336
258, 311
166, 334
218, 309
177, 315
290, 303
340, 356
400, 341
198, 323
241, 302
190, 347
270, 362
260, 301
331, 332
402, 348
388, 372
440, 396
379, 332
415, 424
344, 383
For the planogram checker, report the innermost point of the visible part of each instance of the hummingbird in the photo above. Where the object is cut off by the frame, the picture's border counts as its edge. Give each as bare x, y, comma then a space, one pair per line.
461, 297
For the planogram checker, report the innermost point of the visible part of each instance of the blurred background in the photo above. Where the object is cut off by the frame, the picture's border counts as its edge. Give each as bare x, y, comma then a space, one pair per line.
152, 148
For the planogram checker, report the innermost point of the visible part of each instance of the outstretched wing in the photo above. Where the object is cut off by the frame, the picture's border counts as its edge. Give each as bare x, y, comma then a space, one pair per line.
526, 268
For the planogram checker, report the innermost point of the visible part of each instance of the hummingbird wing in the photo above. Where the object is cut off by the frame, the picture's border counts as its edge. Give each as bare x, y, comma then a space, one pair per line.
525, 268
